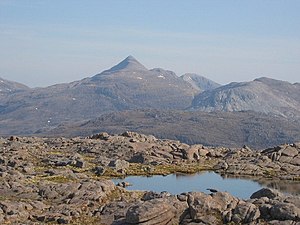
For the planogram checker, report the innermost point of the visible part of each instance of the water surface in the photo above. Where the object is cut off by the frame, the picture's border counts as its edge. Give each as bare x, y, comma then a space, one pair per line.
176, 184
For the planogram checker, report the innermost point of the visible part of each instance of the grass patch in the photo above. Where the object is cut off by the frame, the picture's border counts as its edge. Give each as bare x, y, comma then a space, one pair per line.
59, 179
147, 170
55, 153
88, 220
55, 179
109, 172
269, 173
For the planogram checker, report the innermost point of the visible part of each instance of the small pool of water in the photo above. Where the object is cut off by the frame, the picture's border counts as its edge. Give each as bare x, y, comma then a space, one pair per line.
176, 184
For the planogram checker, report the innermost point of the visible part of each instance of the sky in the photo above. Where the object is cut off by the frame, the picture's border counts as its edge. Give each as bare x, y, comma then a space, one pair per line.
44, 42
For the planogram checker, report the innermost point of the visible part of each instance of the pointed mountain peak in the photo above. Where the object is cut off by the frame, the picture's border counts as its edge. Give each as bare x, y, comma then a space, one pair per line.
130, 63
130, 58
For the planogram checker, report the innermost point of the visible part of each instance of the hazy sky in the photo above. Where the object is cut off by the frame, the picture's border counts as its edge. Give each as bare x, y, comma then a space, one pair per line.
43, 42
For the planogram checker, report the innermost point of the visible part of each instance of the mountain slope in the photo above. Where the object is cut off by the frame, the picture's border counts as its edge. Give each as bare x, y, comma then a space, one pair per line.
261, 95
10, 87
128, 64
128, 85
199, 82
231, 129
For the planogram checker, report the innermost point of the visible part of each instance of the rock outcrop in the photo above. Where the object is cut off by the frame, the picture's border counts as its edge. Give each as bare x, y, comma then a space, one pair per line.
61, 180
200, 208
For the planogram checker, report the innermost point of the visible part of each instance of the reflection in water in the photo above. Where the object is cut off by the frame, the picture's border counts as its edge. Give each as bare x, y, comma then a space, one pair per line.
186, 176
241, 187
292, 187
286, 186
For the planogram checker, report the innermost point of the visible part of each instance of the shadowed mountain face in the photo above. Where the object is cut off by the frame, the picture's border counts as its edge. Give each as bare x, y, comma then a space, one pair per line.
261, 95
199, 82
230, 129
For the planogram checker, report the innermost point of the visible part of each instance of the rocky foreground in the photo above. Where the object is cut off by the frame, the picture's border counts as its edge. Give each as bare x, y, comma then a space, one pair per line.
67, 181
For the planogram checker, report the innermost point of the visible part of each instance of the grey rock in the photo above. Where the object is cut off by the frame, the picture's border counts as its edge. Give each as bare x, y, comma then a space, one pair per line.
99, 170
80, 163
285, 211
150, 212
119, 165
192, 153
245, 212
290, 151
149, 195
102, 136
124, 184
138, 158
182, 197
265, 211
221, 166
266, 192
296, 161
200, 203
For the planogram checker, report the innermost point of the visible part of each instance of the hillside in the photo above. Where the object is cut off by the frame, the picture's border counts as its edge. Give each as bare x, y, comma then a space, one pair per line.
261, 95
199, 82
9, 87
128, 85
230, 129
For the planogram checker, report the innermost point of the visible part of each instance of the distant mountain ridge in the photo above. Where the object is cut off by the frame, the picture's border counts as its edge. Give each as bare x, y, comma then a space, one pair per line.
261, 95
199, 82
9, 87
121, 97
126, 86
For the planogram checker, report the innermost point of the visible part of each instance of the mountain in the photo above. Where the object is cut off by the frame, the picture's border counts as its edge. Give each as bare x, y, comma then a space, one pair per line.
129, 96
10, 87
134, 85
199, 82
230, 129
128, 64
261, 95
128, 85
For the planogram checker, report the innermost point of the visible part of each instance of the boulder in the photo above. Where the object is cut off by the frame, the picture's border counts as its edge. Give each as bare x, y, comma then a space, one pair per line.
245, 212
124, 184
210, 208
102, 136
78, 161
150, 212
265, 210
284, 159
296, 160
290, 151
152, 195
203, 152
285, 211
266, 192
99, 170
138, 158
192, 153
119, 165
